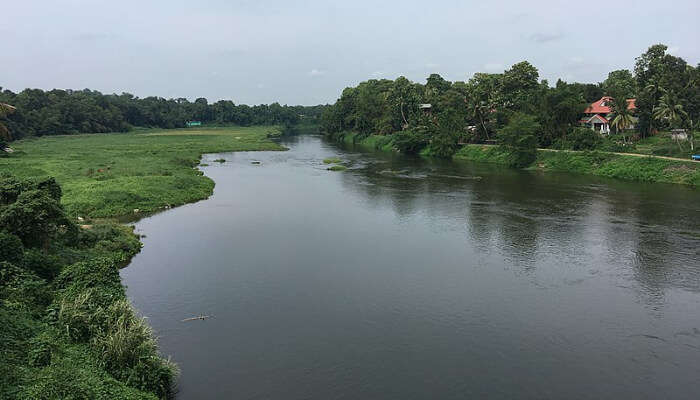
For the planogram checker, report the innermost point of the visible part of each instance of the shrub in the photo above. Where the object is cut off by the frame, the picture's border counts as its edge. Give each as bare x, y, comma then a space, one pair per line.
518, 139
44, 265
410, 141
36, 217
20, 288
584, 139
40, 349
11, 248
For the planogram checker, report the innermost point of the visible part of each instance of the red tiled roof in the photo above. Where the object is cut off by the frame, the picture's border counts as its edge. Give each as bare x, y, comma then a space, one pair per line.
602, 106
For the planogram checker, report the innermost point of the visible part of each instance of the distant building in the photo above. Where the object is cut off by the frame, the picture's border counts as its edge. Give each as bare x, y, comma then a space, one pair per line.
679, 134
599, 114
193, 123
425, 107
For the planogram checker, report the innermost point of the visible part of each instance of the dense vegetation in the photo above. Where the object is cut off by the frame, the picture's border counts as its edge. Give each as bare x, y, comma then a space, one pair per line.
56, 112
67, 328
517, 110
68, 331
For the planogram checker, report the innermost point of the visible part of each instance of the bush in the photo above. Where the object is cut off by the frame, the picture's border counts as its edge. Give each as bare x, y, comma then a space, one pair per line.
44, 265
518, 139
410, 141
22, 289
11, 248
40, 349
584, 139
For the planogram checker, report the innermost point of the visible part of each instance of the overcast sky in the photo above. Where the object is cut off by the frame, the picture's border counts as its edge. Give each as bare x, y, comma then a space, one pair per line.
306, 52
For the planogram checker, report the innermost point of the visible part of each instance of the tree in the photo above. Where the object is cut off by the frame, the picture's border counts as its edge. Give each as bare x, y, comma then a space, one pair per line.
670, 111
518, 139
5, 135
620, 83
404, 98
31, 210
483, 100
623, 116
519, 83
655, 70
445, 138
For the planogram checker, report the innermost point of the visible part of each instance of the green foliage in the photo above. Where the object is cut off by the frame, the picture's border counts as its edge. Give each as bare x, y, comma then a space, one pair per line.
518, 138
42, 263
332, 160
11, 248
446, 134
22, 289
620, 84
128, 350
68, 331
411, 141
35, 217
581, 139
598, 163
41, 113
658, 73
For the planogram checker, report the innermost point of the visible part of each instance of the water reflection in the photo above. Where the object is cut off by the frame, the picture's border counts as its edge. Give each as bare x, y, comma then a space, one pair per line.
406, 278
649, 229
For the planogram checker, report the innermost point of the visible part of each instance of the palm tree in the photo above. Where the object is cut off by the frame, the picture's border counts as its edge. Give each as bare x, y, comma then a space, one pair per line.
671, 111
5, 110
623, 116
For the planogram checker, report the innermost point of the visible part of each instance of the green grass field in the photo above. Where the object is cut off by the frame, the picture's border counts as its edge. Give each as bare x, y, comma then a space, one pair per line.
109, 175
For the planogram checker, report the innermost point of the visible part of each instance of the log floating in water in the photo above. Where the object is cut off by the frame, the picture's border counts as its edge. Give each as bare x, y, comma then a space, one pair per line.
199, 317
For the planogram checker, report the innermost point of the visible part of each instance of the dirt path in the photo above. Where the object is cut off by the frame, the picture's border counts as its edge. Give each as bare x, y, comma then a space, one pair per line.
629, 154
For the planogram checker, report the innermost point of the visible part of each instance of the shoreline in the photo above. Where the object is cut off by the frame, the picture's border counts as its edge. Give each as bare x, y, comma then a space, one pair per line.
629, 167
165, 164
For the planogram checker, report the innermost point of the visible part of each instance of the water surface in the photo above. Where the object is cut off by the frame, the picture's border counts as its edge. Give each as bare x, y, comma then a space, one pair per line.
403, 278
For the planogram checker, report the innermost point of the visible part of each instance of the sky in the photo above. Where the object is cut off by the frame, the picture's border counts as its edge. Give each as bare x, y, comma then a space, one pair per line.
306, 52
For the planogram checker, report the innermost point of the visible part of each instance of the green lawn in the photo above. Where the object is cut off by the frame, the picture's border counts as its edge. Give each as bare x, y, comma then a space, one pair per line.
108, 175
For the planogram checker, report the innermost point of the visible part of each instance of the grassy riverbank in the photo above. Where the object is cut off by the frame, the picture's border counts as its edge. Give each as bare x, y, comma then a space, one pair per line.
68, 330
108, 175
613, 165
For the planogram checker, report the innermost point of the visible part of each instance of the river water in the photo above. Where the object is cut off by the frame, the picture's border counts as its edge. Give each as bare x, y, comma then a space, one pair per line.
404, 278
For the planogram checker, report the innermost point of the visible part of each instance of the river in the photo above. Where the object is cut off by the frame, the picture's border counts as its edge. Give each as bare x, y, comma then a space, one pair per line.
404, 278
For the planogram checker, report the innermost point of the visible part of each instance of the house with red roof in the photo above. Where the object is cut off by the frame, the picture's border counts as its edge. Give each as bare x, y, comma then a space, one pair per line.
599, 114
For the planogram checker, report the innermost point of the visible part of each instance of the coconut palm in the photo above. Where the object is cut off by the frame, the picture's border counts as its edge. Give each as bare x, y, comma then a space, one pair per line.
623, 116
5, 110
670, 110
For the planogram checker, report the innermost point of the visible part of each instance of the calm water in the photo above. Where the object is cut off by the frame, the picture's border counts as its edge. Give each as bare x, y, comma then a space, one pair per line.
410, 279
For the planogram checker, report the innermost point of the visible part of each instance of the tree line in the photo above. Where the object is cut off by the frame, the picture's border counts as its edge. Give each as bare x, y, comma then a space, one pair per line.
441, 114
36, 112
